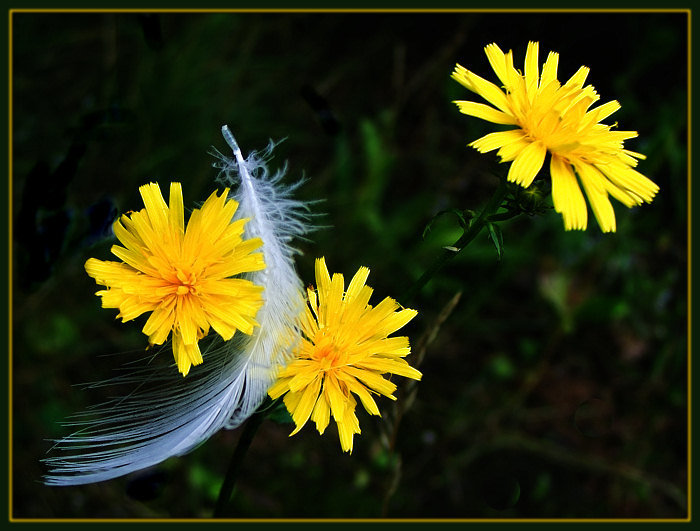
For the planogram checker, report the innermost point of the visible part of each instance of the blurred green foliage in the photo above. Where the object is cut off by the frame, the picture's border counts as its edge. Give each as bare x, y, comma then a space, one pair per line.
103, 103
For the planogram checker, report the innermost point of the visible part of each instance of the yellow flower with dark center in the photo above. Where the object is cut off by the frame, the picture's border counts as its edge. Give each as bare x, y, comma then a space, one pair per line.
344, 350
557, 119
182, 275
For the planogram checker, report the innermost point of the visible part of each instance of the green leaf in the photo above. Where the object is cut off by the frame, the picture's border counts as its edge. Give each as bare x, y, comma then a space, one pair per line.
278, 413
496, 236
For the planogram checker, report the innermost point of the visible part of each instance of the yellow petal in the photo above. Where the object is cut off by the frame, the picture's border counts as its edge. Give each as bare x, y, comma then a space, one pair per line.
305, 373
358, 305
134, 259
597, 197
347, 428
291, 400
485, 112
630, 180
497, 59
394, 366
532, 72
367, 401
156, 208
335, 396
323, 280
158, 325
128, 238
497, 140
278, 388
185, 355
131, 307
511, 151
576, 81
185, 321
603, 111
373, 381
483, 88
112, 298
176, 214
321, 414
105, 271
356, 284
333, 300
549, 70
306, 404
566, 195
527, 164
180, 354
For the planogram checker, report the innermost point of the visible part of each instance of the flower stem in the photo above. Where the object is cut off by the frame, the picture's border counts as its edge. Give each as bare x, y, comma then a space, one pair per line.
449, 253
244, 442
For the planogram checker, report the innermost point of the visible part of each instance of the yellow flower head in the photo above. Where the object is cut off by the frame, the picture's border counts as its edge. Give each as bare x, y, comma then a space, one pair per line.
344, 350
555, 118
182, 275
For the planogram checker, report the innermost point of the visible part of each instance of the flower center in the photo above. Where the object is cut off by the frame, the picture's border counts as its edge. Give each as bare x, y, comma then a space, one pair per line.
187, 282
328, 355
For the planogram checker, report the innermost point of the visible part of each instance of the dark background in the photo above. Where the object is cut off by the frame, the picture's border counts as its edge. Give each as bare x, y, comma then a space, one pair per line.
556, 388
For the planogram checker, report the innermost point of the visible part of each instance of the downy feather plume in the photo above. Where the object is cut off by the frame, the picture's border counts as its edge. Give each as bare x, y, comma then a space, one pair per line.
166, 415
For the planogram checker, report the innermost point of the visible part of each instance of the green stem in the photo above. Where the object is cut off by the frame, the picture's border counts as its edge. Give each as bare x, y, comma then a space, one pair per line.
505, 216
448, 254
244, 442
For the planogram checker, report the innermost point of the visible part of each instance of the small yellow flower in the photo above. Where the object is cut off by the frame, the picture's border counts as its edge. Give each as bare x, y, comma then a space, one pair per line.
555, 118
344, 350
182, 275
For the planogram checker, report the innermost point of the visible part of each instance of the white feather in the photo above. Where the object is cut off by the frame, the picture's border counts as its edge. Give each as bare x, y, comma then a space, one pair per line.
277, 219
167, 415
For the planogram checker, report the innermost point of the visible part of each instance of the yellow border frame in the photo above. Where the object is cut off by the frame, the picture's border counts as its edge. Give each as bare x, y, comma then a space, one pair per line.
359, 520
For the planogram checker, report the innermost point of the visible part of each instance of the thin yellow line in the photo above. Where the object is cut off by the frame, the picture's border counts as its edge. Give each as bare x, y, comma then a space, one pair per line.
350, 10
9, 265
331, 520
249, 10
690, 254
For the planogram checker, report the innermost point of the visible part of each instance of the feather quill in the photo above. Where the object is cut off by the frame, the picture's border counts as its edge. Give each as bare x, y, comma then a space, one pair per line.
167, 415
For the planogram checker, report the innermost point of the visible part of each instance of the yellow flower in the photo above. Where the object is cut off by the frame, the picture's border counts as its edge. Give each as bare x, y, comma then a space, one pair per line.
555, 118
344, 350
182, 276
